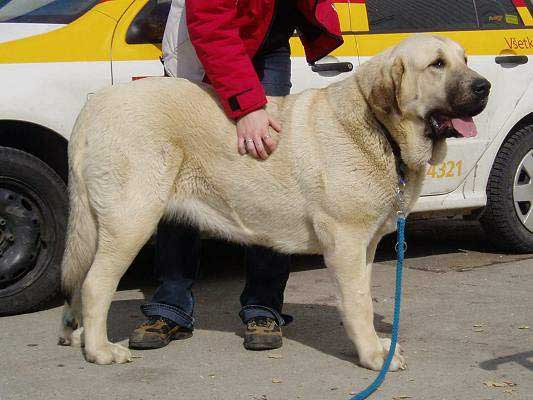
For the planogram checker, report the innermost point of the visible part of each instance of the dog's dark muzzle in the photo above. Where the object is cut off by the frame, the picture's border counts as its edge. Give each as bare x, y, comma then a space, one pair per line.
481, 88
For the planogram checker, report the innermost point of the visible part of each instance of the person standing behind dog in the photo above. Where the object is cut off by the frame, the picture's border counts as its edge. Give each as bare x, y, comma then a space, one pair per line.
242, 49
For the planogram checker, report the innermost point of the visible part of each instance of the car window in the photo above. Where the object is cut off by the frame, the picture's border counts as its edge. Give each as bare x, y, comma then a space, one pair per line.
149, 25
441, 15
497, 14
420, 15
44, 11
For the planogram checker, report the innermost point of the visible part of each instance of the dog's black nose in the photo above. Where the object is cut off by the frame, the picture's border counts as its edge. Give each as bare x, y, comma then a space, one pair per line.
481, 87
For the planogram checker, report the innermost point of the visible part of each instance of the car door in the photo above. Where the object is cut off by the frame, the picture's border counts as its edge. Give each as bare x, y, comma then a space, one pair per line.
489, 30
506, 25
337, 65
137, 41
54, 54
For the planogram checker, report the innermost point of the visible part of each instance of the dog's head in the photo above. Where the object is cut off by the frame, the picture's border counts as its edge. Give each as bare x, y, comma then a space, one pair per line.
424, 93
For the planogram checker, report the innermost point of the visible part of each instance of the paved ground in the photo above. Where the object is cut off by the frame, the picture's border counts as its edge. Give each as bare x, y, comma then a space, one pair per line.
465, 313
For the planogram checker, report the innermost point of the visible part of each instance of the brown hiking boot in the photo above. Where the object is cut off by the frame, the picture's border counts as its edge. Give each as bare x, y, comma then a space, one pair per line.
157, 332
262, 334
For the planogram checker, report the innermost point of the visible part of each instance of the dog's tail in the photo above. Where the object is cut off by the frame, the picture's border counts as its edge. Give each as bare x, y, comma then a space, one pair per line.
80, 247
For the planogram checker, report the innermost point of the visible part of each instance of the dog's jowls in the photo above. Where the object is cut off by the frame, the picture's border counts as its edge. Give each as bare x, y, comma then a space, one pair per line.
162, 147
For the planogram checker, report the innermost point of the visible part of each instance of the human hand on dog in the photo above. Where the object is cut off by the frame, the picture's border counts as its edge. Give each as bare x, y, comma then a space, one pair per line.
253, 136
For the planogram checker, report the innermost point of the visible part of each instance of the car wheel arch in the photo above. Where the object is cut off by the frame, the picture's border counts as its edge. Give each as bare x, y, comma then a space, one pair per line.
44, 143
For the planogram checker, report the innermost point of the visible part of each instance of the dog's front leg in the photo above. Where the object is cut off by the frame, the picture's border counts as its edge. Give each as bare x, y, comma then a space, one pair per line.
345, 252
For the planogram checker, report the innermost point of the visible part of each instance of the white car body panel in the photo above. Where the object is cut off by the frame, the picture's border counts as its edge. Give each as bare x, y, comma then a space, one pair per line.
66, 85
13, 31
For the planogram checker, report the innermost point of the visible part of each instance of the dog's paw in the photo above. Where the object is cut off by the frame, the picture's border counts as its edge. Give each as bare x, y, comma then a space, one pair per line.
398, 361
108, 354
74, 338
71, 338
375, 361
77, 338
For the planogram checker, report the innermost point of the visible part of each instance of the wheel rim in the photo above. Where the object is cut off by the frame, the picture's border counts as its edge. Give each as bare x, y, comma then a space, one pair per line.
523, 191
24, 235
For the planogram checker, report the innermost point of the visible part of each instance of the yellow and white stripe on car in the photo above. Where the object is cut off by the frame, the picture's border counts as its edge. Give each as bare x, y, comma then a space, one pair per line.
86, 39
48, 76
522, 9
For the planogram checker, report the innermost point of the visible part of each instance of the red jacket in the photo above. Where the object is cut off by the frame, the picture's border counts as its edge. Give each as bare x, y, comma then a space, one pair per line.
226, 34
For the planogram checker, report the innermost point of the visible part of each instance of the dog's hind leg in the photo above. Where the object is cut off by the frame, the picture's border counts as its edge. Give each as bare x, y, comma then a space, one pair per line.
345, 253
119, 242
126, 218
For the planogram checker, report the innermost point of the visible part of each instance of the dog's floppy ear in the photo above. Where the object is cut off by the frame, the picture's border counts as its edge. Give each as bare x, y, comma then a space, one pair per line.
386, 90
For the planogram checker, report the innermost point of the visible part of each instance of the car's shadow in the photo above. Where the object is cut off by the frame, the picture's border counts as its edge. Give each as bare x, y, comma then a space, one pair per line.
438, 237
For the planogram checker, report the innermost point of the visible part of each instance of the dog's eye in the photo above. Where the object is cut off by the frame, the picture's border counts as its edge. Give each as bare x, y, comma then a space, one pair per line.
438, 63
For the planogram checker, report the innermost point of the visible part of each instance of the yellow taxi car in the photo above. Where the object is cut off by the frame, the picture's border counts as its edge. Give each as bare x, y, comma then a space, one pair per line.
55, 53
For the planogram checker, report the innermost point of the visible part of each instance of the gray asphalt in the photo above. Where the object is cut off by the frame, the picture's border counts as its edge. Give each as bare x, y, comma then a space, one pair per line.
466, 329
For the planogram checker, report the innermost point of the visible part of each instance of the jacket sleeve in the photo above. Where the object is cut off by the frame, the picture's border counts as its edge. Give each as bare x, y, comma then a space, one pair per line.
215, 36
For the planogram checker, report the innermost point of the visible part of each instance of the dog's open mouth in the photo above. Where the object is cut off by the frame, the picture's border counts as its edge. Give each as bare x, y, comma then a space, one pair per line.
443, 126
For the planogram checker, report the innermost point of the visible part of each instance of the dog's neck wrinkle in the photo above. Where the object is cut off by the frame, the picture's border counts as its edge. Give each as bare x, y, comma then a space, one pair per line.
353, 121
388, 121
344, 107
384, 124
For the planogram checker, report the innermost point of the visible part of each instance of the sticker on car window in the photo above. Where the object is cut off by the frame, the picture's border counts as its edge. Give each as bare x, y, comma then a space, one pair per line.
511, 19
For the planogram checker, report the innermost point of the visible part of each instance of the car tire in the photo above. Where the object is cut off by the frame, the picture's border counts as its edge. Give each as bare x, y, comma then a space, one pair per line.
504, 220
33, 220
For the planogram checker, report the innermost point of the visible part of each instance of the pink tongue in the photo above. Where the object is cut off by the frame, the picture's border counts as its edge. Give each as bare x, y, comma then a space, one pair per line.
465, 126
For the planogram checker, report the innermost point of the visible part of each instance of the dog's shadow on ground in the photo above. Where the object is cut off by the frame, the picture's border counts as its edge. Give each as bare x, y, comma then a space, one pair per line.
315, 325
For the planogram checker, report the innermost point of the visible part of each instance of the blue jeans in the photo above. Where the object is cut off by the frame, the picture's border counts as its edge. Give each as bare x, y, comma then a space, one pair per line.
178, 246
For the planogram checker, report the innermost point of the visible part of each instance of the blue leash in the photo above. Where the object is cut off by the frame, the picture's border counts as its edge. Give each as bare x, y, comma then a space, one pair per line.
400, 249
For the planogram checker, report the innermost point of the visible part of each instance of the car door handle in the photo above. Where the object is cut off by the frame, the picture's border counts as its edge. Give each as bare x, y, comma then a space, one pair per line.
511, 59
336, 66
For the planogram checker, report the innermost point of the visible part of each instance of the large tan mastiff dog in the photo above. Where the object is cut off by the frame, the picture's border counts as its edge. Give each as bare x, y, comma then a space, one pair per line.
162, 147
